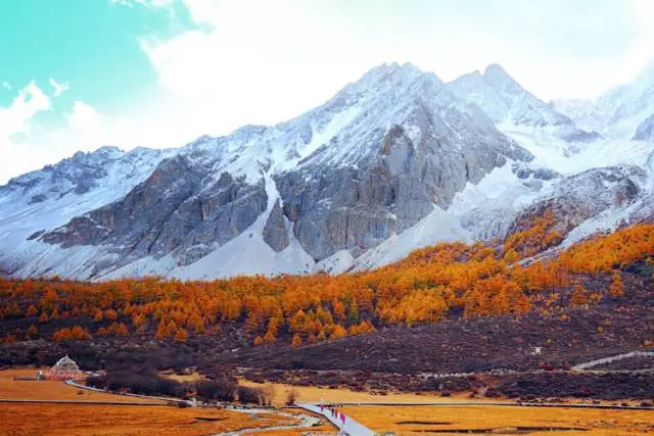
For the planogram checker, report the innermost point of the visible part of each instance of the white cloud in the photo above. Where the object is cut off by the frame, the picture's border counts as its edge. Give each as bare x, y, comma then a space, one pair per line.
242, 67
25, 146
262, 61
59, 87
15, 121
84, 117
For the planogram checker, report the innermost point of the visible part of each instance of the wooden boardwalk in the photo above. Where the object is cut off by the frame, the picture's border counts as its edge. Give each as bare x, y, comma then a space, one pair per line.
350, 427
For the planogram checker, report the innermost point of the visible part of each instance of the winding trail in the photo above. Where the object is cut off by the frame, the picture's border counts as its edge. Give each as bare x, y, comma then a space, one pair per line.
586, 365
305, 421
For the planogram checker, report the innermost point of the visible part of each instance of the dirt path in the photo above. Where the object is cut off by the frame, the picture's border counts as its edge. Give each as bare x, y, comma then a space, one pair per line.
584, 366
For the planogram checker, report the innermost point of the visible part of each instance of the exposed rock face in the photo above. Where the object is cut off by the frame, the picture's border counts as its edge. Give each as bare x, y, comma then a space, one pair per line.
274, 233
389, 152
358, 208
169, 211
645, 131
433, 148
403, 144
350, 174
577, 198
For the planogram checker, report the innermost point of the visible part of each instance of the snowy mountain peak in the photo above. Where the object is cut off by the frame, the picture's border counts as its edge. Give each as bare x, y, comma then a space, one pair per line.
513, 108
385, 76
102, 153
618, 114
495, 75
391, 162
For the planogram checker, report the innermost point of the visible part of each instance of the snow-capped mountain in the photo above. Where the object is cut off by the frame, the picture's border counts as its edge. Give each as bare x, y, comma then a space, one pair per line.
511, 106
618, 113
394, 161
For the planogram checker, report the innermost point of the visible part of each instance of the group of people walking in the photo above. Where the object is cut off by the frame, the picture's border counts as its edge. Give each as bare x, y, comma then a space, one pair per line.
336, 414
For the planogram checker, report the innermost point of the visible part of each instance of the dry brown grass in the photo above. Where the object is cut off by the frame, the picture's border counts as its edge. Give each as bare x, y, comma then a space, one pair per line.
113, 420
119, 420
310, 394
11, 389
597, 422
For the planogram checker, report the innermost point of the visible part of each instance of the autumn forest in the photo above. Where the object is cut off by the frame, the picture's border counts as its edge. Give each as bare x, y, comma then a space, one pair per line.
446, 281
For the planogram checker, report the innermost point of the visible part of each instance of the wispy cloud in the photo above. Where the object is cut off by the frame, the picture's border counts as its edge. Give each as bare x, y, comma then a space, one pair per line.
59, 87
145, 3
15, 120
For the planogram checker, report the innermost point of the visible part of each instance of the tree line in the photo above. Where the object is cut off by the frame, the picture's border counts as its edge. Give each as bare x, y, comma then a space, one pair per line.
429, 286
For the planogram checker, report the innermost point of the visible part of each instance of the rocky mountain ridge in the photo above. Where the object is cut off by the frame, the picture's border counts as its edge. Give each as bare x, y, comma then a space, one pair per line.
392, 162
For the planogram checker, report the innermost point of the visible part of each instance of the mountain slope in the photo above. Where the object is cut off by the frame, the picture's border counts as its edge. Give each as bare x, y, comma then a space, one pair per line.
370, 163
393, 162
617, 113
48, 198
509, 104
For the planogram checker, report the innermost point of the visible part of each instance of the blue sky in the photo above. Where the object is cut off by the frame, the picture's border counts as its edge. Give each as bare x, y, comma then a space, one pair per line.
79, 74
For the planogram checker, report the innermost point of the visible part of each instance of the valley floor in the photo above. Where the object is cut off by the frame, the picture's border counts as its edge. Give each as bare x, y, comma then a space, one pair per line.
45, 390
88, 418
410, 419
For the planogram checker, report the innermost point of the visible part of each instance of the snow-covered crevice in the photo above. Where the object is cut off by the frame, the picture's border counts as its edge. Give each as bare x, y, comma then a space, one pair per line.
323, 136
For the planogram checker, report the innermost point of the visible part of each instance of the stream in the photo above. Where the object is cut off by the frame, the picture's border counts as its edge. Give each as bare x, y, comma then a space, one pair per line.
306, 421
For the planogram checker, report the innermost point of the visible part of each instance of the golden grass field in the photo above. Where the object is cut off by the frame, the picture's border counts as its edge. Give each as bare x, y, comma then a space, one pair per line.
32, 419
500, 420
52, 390
119, 420
310, 394
162, 420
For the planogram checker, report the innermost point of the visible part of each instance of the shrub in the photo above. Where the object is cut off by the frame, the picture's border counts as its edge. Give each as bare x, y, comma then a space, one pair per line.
247, 395
220, 390
146, 382
99, 382
291, 397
